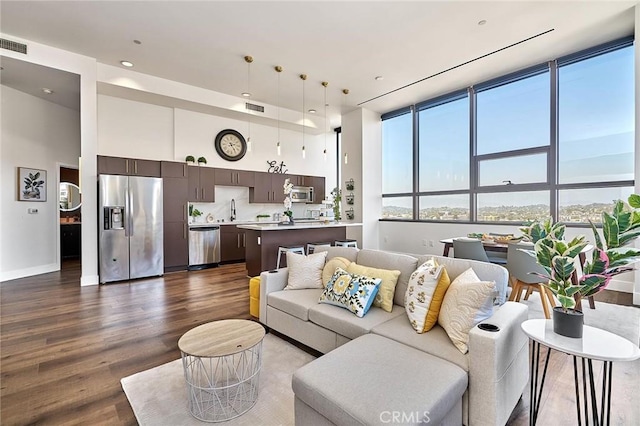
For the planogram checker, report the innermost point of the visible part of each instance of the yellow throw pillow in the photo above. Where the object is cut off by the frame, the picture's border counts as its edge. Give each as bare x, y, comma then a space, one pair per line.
384, 298
330, 268
425, 292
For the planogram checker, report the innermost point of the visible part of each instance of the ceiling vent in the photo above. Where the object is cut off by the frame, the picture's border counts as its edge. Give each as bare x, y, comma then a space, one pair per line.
13, 45
253, 107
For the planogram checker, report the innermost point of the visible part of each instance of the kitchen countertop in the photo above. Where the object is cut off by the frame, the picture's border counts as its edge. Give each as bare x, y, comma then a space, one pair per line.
297, 225
250, 222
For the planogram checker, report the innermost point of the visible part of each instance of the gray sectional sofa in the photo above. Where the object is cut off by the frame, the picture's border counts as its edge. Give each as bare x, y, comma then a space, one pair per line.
493, 374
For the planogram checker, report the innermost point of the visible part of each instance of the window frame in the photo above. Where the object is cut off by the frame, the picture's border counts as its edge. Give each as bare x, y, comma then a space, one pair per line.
551, 185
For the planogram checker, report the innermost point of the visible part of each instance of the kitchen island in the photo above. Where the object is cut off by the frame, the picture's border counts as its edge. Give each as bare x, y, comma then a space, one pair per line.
263, 240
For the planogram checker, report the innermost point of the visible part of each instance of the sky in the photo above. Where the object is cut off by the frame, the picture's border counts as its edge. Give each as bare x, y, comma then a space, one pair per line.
596, 133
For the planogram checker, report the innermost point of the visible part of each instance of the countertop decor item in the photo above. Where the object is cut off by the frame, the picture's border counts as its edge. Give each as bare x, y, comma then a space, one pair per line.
230, 145
190, 159
287, 187
557, 256
201, 161
337, 197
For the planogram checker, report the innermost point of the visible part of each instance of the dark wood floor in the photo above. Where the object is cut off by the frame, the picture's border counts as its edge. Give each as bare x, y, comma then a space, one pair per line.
64, 348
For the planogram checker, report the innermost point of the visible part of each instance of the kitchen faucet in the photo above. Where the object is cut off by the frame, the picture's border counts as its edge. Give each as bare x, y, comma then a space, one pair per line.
233, 210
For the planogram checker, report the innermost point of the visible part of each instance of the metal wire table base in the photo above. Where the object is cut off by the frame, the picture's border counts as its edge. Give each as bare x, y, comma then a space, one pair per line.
222, 388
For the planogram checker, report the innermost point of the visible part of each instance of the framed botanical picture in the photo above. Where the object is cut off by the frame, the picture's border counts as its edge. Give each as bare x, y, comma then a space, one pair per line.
32, 184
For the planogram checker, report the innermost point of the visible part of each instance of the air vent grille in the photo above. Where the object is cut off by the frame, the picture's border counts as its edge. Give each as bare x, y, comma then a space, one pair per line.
254, 107
13, 45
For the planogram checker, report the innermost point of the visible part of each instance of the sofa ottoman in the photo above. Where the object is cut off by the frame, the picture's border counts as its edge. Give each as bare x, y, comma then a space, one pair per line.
374, 380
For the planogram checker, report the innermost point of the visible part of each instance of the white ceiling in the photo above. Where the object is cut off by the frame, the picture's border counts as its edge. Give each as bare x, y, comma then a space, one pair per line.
345, 43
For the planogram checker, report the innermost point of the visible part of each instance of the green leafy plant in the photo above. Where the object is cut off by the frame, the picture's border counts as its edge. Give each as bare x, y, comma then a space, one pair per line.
190, 159
202, 160
193, 212
610, 258
263, 215
337, 197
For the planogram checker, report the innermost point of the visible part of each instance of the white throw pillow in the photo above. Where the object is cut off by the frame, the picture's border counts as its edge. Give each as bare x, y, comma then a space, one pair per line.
468, 301
305, 271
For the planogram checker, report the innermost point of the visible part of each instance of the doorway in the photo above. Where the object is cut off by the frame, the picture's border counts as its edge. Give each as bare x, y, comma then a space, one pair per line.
70, 200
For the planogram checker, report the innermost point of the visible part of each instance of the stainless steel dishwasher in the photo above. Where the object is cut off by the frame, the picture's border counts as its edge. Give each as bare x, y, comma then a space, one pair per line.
204, 246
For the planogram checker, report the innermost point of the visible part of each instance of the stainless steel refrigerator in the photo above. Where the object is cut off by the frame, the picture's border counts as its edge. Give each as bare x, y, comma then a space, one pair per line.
130, 236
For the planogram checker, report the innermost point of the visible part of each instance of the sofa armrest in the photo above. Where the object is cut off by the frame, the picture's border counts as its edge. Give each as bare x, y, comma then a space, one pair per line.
498, 366
270, 282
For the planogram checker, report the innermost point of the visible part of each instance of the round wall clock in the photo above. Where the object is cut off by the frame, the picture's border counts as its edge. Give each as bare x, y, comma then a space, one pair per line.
230, 145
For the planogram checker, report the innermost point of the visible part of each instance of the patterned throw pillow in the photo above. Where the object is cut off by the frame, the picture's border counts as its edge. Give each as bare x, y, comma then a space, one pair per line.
468, 301
330, 268
352, 292
305, 271
384, 298
425, 292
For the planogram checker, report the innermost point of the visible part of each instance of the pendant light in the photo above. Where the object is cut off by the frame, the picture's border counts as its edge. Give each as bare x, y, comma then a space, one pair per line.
247, 94
325, 84
345, 92
278, 69
303, 77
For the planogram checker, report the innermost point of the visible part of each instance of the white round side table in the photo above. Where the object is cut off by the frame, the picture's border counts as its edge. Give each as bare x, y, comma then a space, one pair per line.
595, 345
222, 362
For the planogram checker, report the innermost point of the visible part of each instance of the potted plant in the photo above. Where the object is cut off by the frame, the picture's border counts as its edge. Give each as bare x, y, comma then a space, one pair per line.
263, 217
194, 213
190, 159
337, 197
201, 161
610, 258
287, 187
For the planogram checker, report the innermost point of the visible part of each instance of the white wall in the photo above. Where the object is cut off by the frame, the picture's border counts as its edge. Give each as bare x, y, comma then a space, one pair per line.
35, 134
362, 142
636, 284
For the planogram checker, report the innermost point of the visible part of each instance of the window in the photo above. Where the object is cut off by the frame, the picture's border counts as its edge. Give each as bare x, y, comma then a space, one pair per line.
444, 146
556, 139
596, 110
397, 154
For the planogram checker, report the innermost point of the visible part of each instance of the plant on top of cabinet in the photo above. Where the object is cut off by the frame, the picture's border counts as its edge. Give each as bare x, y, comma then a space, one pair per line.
201, 161
190, 159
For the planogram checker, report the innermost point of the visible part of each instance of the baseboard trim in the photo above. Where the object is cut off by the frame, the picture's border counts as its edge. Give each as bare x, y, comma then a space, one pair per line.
89, 280
622, 286
28, 272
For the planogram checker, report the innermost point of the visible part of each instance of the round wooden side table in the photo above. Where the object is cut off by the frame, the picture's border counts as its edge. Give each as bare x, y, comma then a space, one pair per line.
222, 362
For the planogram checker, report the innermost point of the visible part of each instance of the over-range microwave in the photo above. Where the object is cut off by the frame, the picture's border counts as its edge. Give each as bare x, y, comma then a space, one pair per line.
302, 194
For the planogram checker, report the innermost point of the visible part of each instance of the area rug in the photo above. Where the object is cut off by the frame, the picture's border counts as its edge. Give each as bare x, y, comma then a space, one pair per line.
158, 396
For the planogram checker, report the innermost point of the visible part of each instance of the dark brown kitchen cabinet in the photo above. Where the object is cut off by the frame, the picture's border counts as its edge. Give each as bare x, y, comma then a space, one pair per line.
262, 192
318, 184
232, 243
201, 184
175, 184
230, 177
70, 240
173, 169
176, 246
128, 166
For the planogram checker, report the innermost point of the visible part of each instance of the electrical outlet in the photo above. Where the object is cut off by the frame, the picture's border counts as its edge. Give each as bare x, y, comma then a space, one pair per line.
430, 243
424, 243
386, 240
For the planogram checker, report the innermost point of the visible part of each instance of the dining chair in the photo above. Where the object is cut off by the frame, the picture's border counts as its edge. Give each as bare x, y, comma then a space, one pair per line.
472, 248
520, 266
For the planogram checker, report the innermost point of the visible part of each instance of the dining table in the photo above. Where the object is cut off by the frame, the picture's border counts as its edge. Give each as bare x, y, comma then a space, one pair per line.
500, 247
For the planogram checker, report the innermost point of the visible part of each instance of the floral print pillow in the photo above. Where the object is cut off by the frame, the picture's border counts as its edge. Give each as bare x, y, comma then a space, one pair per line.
350, 291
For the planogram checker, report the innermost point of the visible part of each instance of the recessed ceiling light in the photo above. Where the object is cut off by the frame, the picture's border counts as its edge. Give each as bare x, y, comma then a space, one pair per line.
246, 94
47, 91
312, 111
482, 22
379, 77
127, 64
